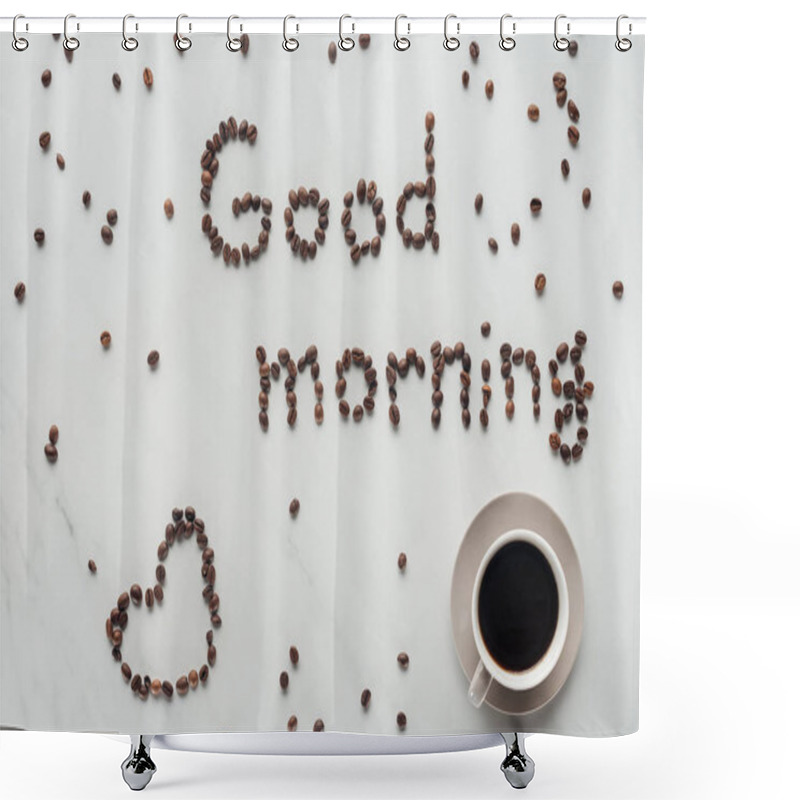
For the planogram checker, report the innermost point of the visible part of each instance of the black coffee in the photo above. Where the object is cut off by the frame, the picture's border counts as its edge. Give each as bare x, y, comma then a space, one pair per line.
518, 606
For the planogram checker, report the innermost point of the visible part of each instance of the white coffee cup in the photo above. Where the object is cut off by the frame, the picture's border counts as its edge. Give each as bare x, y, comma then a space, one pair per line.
488, 669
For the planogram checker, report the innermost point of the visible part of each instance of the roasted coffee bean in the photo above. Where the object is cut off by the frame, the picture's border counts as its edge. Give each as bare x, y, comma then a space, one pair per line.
203, 674
252, 133
555, 441
149, 598
492, 244
401, 720
582, 412
559, 418
182, 685
344, 408
555, 384
126, 671
136, 682
163, 551
418, 241
148, 77
38, 236
283, 679
60, 161
562, 351
465, 79
536, 206
53, 434
561, 97
478, 202
47, 76
568, 388
403, 660
466, 417
291, 416
394, 415
243, 126
430, 120
123, 601
153, 358
51, 453
361, 190
580, 338
564, 167
567, 411
464, 398
211, 655
166, 689
294, 655
489, 89
169, 209
618, 289
436, 417
559, 80
136, 594
332, 52
107, 234
583, 434
155, 687
93, 569
552, 365
86, 198
580, 372
510, 386
319, 726
484, 418
573, 134
44, 140
363, 40
486, 329
505, 351
533, 112
366, 696
575, 354
509, 408
586, 197
518, 356
111, 216
566, 453
474, 51
573, 112
573, 47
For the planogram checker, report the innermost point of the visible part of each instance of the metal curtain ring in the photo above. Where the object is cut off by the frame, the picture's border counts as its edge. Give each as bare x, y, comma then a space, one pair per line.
623, 44
561, 43
290, 44
182, 42
345, 42
507, 42
233, 44
451, 42
70, 42
19, 43
129, 43
401, 42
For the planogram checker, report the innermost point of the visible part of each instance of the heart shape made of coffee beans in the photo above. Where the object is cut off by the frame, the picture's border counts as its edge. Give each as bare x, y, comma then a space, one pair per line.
185, 524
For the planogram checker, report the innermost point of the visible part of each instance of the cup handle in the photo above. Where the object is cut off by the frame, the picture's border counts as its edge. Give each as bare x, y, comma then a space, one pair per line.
479, 687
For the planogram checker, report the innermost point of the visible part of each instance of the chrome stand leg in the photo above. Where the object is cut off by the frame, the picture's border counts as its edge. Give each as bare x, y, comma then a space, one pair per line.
517, 766
138, 768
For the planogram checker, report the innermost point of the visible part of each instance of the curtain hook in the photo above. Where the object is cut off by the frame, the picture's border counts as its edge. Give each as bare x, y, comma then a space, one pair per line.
561, 43
233, 44
70, 42
623, 44
401, 42
290, 44
451, 42
182, 42
19, 43
345, 43
129, 43
507, 42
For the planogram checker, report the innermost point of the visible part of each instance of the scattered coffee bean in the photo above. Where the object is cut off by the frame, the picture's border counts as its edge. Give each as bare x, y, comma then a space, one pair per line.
580, 338
402, 560
182, 685
401, 720
107, 234
429, 121
577, 452
486, 329
53, 434
566, 453
87, 198
44, 140
294, 655
562, 351
583, 434
47, 76
402, 660
155, 687
169, 209
149, 597
572, 111
564, 167
478, 202
474, 50
92, 566
573, 134
51, 453
291, 725
366, 696
126, 671
332, 52
153, 358
148, 77
136, 682
586, 197
465, 79
203, 674
489, 89
319, 726
536, 206
555, 441
540, 282
283, 680
573, 47
363, 40
60, 161
111, 216
618, 289
515, 233
166, 689
559, 80
533, 112
19, 292
116, 80
492, 244
136, 594
394, 414
38, 236
294, 507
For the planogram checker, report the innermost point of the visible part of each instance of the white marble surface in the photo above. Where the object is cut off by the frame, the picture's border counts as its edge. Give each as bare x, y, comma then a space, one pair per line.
136, 443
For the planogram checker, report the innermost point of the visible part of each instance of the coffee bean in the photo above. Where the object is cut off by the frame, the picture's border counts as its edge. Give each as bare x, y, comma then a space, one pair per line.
402, 560
562, 351
166, 689
555, 441
149, 598
573, 112
577, 452
478, 202
429, 121
418, 241
559, 80
536, 206
583, 434
566, 453
169, 209
564, 167
465, 79
573, 134
111, 216
136, 594
87, 198
182, 685
580, 373
486, 369
575, 354
203, 674
319, 726
344, 408
53, 434
586, 197
474, 51
561, 97
509, 409
252, 134
44, 140
294, 655
152, 358
509, 387
436, 417
47, 76
486, 329
555, 384
515, 233
363, 40
211, 655
489, 89
580, 338
136, 682
618, 289
148, 77
155, 687
567, 411
492, 244
394, 415
466, 417
123, 601
60, 161
116, 80
19, 292
283, 679
402, 660
533, 112
366, 696
126, 671
51, 453
573, 47
332, 52
38, 236
106, 234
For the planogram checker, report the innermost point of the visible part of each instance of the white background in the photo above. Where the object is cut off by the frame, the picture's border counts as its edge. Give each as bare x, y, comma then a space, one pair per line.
720, 538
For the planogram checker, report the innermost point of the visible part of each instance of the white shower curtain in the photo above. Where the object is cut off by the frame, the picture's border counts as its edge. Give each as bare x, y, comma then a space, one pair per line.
339, 592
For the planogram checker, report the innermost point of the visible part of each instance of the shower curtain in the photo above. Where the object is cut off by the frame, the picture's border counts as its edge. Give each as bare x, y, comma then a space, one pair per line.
297, 348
